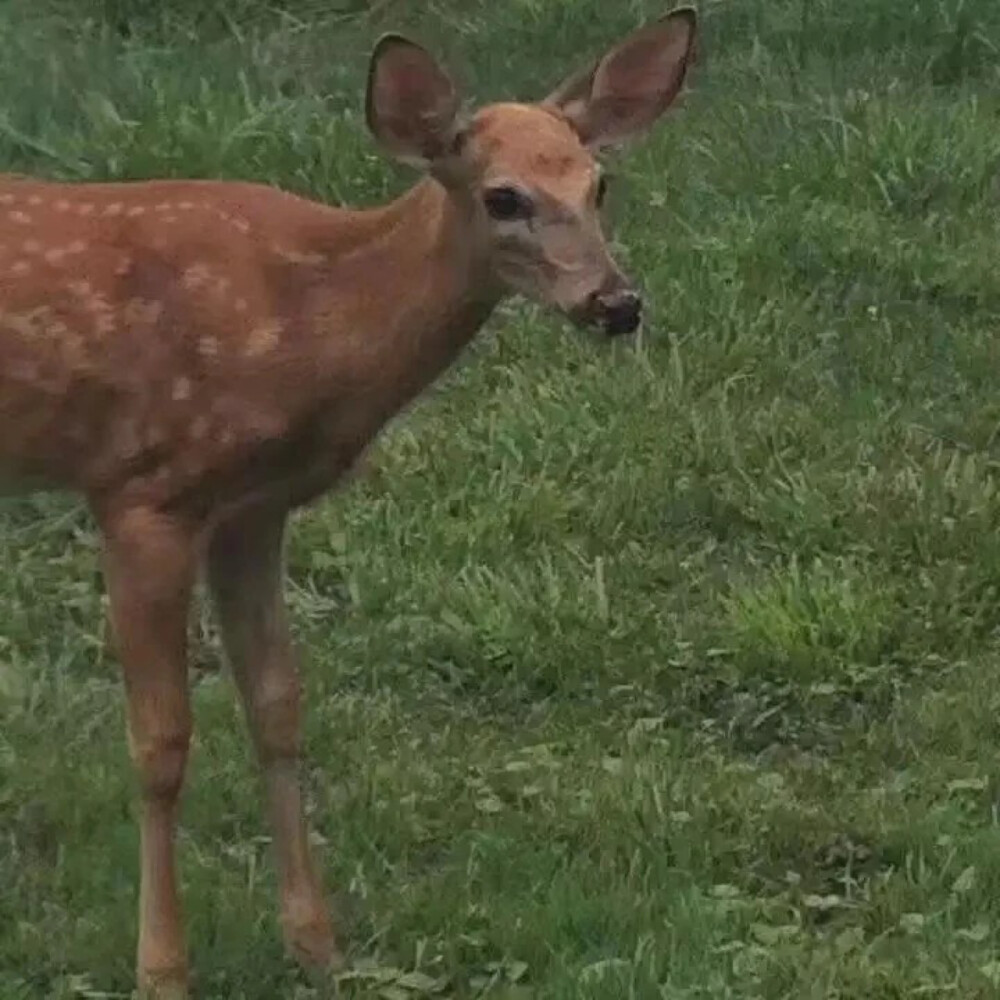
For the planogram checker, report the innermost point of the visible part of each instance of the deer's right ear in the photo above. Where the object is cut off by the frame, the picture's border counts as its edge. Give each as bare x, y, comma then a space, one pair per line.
411, 104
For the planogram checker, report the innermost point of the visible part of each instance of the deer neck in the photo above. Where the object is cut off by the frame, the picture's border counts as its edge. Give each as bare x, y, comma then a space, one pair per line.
409, 294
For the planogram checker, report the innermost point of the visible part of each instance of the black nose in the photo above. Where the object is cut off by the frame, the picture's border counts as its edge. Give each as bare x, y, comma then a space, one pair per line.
620, 312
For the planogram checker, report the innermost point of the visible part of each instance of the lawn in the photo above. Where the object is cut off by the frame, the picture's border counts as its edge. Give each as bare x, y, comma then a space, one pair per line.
665, 669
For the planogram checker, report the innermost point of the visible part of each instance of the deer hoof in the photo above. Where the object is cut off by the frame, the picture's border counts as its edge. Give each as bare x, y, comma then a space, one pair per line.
313, 945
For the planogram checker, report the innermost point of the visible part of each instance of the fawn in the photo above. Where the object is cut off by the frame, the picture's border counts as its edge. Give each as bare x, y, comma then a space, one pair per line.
196, 359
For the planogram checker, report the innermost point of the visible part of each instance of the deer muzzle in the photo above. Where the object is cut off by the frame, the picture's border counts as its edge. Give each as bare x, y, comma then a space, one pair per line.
619, 312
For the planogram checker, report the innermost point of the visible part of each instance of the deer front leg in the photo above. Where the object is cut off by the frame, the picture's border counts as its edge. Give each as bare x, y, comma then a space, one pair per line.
149, 568
245, 567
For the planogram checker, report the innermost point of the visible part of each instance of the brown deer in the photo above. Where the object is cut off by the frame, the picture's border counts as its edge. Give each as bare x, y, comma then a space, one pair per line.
196, 359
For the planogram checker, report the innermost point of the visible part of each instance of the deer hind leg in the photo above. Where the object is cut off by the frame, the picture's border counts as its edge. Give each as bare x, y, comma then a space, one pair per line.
149, 568
245, 566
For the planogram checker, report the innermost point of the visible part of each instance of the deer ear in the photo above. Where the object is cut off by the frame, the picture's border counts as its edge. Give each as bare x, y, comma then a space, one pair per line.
411, 104
626, 91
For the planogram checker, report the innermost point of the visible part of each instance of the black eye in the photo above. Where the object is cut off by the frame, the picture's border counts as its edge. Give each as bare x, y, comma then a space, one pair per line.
602, 190
505, 203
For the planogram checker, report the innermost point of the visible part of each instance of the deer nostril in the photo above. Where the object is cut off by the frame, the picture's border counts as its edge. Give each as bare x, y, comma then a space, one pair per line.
621, 312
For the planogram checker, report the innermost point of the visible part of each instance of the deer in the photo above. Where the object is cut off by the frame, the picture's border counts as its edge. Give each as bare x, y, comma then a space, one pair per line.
197, 360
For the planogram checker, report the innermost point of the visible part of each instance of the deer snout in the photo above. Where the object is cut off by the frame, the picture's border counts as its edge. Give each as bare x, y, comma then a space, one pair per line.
618, 311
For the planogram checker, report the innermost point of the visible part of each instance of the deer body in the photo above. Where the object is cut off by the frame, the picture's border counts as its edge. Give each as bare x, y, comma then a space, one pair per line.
198, 358
145, 361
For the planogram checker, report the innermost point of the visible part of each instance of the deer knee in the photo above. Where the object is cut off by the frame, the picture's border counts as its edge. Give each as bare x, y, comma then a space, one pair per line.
276, 717
160, 761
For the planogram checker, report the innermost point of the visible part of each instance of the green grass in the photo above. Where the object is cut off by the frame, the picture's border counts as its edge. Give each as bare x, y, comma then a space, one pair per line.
655, 671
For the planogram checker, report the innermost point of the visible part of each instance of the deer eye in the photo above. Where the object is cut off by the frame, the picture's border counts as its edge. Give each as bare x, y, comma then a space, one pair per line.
506, 204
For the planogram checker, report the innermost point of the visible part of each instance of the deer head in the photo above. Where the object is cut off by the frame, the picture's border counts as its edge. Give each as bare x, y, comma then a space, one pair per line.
526, 176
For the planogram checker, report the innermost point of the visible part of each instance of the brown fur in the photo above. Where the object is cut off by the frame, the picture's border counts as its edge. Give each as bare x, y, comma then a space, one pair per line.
176, 348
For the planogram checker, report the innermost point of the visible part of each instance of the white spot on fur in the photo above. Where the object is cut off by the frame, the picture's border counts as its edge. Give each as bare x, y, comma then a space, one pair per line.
208, 347
195, 276
104, 322
264, 338
141, 312
295, 257
21, 323
57, 329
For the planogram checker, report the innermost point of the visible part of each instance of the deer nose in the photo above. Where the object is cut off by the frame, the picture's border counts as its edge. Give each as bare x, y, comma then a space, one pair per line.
619, 312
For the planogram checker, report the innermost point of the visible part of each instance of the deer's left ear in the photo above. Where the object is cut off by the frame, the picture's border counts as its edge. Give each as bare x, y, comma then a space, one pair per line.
628, 89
